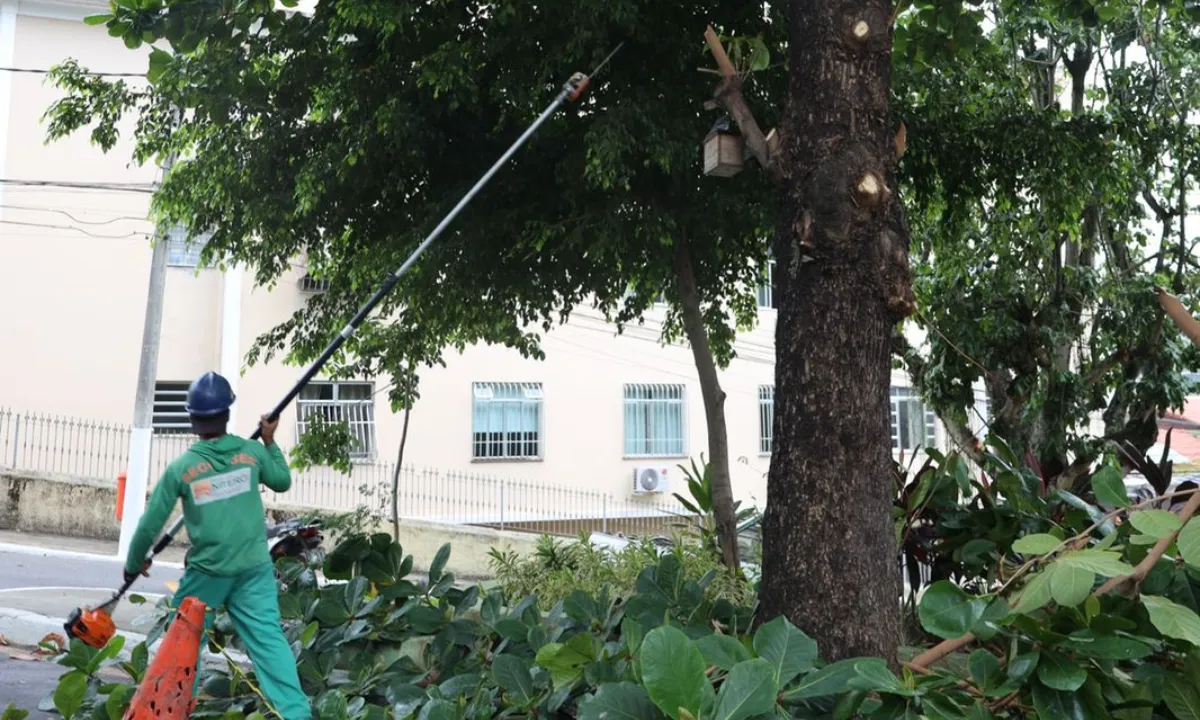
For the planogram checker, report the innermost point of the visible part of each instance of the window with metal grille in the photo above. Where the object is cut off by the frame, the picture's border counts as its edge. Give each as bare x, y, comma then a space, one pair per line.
766, 419
766, 289
352, 403
506, 421
654, 421
170, 415
914, 425
182, 252
311, 285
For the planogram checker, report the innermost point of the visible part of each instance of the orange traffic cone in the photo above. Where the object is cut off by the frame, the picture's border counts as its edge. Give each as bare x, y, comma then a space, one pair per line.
166, 693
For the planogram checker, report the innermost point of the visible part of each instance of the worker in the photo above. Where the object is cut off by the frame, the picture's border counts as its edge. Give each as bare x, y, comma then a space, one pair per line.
228, 565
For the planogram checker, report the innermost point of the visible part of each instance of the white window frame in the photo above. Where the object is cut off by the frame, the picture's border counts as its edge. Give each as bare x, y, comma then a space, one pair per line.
766, 288
900, 396
359, 414
656, 399
521, 395
766, 419
184, 253
170, 416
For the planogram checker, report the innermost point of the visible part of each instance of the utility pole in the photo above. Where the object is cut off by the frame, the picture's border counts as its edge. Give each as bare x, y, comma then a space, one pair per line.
138, 473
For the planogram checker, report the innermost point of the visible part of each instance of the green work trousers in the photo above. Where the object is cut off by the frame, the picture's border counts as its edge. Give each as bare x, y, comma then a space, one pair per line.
253, 605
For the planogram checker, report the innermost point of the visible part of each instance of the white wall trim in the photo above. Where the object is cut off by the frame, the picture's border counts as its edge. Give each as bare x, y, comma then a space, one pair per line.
8, 41
72, 10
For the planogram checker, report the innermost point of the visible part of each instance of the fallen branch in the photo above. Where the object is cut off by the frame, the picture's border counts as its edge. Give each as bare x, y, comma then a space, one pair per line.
946, 647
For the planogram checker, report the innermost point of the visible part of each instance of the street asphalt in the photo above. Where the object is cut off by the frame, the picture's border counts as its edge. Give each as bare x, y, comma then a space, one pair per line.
51, 576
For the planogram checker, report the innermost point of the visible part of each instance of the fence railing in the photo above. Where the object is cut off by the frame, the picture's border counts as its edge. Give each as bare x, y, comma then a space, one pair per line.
82, 448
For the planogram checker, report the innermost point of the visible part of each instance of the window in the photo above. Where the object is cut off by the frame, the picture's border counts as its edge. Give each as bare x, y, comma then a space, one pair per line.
311, 286
654, 421
507, 421
766, 419
182, 252
170, 416
913, 425
766, 290
352, 403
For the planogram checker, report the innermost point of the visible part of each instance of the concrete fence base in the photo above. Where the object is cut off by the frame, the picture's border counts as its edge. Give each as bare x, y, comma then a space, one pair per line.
86, 508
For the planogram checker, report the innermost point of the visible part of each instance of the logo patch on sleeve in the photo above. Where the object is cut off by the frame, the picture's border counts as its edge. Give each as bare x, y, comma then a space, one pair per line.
221, 487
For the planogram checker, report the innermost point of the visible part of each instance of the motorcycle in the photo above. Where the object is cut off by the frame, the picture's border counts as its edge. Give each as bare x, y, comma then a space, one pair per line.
297, 539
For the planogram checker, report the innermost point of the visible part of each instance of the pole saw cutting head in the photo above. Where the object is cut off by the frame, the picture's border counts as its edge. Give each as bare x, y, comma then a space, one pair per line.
94, 626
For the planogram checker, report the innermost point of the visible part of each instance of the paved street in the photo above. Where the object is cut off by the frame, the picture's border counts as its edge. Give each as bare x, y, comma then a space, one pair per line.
51, 576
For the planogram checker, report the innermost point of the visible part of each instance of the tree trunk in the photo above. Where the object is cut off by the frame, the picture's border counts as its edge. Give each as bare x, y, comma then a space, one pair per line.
830, 561
714, 404
396, 477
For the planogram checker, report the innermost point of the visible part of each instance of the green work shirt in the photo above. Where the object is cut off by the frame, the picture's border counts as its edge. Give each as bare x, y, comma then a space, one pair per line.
218, 481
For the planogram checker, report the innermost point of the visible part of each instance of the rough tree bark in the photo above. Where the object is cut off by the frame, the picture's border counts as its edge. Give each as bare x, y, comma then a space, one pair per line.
829, 548
714, 404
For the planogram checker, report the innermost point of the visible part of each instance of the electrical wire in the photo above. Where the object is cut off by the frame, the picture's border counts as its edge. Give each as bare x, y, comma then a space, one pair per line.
146, 188
76, 229
34, 208
39, 71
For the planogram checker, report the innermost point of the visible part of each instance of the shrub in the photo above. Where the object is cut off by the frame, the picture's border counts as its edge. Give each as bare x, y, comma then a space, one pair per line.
557, 568
1043, 635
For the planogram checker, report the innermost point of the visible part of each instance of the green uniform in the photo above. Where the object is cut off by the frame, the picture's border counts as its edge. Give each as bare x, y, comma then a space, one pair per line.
229, 564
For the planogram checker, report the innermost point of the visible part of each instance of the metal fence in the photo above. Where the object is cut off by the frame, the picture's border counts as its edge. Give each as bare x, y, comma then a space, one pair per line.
81, 448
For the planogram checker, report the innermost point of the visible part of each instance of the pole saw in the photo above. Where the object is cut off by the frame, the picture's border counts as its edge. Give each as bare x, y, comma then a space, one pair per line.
94, 626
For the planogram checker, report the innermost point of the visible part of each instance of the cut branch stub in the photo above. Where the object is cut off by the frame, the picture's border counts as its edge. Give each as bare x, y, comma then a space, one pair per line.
870, 190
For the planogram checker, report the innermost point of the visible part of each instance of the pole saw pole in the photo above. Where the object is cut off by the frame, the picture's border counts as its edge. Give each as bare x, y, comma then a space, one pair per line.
572, 90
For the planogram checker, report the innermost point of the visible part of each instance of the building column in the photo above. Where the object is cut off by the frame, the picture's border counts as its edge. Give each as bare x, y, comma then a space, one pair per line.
231, 332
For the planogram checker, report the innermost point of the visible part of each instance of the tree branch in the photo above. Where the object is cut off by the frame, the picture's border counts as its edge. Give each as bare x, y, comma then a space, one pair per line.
729, 95
1179, 314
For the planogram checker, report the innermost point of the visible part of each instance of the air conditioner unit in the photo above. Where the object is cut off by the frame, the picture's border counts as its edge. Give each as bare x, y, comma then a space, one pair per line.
310, 285
650, 481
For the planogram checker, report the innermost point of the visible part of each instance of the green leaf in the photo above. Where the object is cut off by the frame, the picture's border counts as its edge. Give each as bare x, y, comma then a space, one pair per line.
723, 651
873, 674
12, 713
439, 710
948, 612
1106, 646
118, 701
1173, 620
97, 19
332, 706
70, 693
1056, 705
1035, 594
1057, 672
1101, 562
439, 564
512, 674
1189, 542
673, 672
749, 690
566, 661
1182, 697
983, 667
788, 650
1158, 524
618, 701
1109, 487
1036, 544
829, 680
1069, 585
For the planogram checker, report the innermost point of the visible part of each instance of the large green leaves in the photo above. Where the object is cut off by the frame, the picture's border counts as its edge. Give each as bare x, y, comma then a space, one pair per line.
618, 701
948, 612
1189, 542
788, 650
1172, 619
673, 672
748, 691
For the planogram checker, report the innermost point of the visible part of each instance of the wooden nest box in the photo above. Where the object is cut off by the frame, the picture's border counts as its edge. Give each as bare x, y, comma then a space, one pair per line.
723, 152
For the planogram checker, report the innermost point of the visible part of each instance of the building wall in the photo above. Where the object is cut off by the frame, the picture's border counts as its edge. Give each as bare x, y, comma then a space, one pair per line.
75, 303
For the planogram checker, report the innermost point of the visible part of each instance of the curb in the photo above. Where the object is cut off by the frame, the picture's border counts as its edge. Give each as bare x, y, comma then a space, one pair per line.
24, 628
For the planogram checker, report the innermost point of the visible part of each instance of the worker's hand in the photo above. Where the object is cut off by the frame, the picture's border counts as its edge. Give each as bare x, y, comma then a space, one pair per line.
267, 427
130, 577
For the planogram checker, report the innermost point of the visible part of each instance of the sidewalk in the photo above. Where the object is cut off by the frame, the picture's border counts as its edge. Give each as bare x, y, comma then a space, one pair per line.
80, 546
